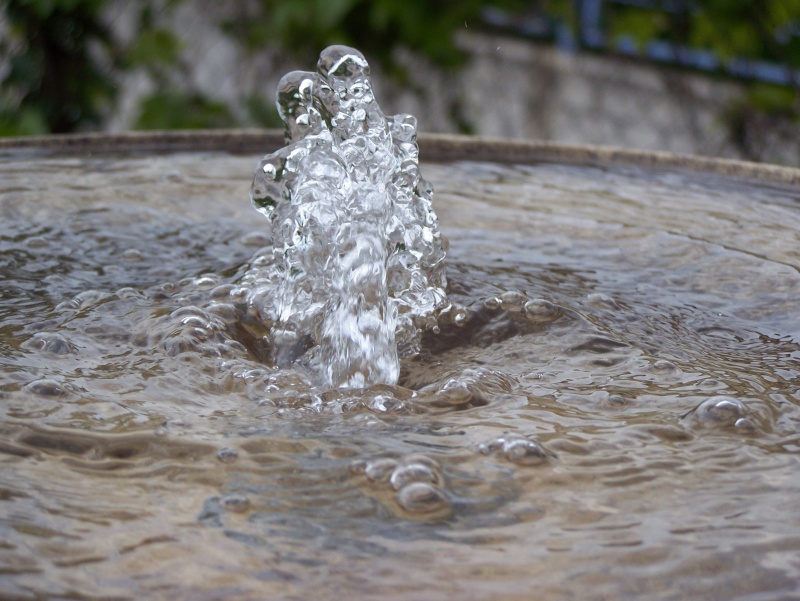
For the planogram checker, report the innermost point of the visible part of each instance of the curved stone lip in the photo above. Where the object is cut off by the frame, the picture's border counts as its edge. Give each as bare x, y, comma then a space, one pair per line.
433, 148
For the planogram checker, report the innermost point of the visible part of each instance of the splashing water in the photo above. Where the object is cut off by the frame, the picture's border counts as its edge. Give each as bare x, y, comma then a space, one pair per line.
359, 259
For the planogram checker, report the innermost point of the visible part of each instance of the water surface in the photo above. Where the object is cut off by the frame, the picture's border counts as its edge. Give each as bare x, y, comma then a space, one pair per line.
611, 411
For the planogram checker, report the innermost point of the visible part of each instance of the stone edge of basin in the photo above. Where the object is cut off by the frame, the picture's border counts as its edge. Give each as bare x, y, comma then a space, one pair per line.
433, 148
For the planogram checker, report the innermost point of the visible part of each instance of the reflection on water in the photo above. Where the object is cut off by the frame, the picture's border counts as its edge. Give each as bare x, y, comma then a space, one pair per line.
611, 411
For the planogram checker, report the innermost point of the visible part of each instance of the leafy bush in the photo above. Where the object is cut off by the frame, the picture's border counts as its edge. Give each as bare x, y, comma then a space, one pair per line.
63, 66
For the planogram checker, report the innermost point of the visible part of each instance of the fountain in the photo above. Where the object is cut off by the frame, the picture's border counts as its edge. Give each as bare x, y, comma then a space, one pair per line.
609, 408
359, 256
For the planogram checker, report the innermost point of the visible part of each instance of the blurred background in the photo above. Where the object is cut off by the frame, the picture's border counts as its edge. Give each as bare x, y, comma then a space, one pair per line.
711, 77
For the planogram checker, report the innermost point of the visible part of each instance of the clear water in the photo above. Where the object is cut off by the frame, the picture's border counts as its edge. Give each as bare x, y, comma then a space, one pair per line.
358, 259
614, 414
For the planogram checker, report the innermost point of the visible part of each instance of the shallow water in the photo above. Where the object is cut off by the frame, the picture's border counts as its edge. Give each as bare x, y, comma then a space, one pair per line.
613, 414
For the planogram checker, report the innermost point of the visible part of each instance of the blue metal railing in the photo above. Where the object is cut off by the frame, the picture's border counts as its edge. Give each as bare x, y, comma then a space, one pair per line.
589, 33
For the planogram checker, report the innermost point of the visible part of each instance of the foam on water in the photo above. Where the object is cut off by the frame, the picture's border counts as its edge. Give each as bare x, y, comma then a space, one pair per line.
358, 257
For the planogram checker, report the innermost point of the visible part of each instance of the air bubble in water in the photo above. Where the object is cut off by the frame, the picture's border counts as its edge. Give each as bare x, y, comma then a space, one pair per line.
517, 449
235, 502
380, 470
512, 301
422, 498
541, 311
414, 472
227, 455
51, 342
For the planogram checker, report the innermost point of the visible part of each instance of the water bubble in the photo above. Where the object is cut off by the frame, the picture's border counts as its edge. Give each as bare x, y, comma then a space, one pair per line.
235, 503
227, 455
525, 452
512, 301
225, 311
602, 301
492, 303
380, 470
37, 242
732, 414
196, 321
222, 292
720, 410
416, 458
83, 300
257, 239
455, 392
517, 449
205, 282
46, 387
414, 472
539, 310
50, 342
132, 255
663, 367
385, 404
422, 497
127, 292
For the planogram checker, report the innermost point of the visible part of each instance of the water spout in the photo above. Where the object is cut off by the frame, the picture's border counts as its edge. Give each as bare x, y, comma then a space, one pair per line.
359, 259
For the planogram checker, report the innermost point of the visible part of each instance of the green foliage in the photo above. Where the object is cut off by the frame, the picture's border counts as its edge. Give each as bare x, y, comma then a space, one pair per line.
61, 66
172, 109
261, 112
54, 77
773, 100
731, 29
156, 47
376, 27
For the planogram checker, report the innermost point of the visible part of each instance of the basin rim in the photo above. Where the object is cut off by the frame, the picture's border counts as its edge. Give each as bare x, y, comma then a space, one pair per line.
433, 148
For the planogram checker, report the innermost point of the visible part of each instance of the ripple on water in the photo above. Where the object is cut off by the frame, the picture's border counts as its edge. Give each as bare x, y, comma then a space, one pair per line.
139, 395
